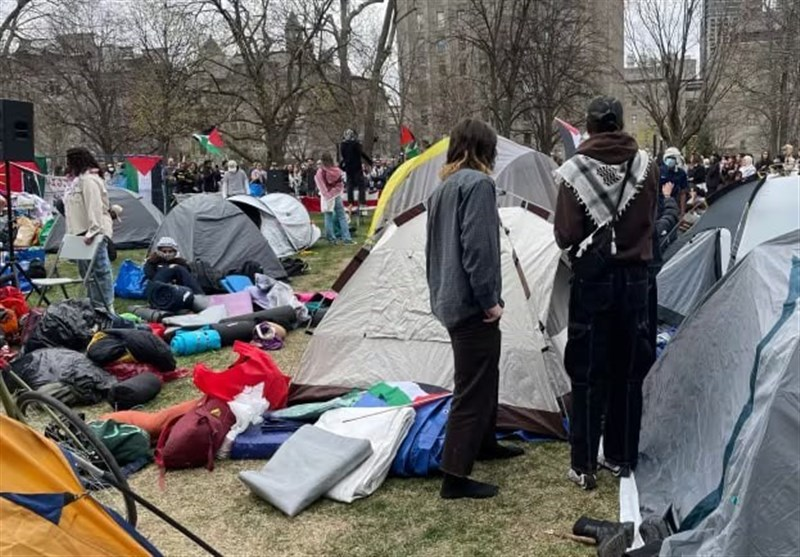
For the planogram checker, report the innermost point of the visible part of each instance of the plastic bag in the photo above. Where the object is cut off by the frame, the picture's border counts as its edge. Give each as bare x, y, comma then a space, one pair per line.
254, 366
70, 323
248, 407
130, 281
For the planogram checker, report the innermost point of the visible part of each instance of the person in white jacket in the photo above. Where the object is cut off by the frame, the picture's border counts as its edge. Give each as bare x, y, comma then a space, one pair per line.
234, 181
88, 215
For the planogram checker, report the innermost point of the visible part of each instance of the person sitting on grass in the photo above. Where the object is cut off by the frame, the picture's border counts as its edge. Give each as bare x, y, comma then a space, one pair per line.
166, 265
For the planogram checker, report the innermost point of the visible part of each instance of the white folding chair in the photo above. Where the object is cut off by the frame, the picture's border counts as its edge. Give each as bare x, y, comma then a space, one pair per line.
72, 248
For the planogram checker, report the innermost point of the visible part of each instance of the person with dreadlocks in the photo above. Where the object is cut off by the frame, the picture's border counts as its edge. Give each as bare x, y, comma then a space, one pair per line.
464, 279
605, 214
88, 215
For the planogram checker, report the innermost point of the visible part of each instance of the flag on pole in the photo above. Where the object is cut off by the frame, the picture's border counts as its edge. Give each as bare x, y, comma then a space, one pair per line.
570, 136
409, 142
406, 136
211, 142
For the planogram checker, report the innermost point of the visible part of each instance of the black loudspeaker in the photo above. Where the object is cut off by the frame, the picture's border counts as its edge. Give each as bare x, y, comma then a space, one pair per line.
16, 130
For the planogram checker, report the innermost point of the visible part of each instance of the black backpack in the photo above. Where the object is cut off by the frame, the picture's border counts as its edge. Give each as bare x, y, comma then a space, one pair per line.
294, 266
207, 276
249, 269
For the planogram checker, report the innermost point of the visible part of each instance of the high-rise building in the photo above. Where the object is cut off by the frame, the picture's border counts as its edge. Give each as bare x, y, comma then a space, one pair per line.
440, 74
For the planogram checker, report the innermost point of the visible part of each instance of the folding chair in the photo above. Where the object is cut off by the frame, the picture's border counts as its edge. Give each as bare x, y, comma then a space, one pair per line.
72, 248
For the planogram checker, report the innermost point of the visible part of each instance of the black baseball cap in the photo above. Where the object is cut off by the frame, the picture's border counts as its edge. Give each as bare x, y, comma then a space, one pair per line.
604, 114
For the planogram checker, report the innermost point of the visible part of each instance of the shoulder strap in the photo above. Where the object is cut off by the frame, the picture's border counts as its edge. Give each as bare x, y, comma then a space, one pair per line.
622, 190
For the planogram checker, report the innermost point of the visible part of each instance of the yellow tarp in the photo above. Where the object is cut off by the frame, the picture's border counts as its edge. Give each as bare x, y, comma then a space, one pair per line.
30, 464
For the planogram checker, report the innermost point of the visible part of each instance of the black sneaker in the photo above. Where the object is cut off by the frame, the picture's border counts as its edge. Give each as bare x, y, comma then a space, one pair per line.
617, 470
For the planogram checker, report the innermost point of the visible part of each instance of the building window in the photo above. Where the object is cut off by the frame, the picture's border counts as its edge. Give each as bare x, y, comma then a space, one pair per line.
441, 46
633, 119
420, 21
440, 19
442, 69
462, 67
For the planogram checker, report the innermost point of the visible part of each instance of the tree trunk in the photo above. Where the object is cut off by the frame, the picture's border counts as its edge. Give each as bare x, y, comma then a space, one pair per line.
382, 52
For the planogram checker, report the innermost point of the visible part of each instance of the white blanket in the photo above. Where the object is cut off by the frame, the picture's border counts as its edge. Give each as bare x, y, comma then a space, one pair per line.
384, 428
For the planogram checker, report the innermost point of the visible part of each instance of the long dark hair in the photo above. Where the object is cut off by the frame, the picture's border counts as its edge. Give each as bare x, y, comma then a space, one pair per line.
79, 160
473, 144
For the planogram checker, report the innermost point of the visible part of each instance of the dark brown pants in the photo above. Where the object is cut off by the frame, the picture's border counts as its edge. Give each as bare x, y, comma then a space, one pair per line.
473, 414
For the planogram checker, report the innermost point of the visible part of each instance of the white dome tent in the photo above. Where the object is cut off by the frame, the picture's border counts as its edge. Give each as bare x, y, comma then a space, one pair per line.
380, 328
283, 221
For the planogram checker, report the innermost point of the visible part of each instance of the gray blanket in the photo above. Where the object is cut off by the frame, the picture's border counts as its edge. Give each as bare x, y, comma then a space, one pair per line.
306, 466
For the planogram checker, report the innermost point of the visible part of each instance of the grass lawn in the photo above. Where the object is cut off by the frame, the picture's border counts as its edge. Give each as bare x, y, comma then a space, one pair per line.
404, 517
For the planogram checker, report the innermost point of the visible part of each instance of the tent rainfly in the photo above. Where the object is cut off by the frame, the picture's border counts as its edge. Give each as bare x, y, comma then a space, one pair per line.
748, 215
381, 326
720, 451
283, 221
519, 172
209, 228
134, 229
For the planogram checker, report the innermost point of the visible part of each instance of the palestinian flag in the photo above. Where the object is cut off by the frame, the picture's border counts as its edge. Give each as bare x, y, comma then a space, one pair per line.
211, 142
570, 136
409, 143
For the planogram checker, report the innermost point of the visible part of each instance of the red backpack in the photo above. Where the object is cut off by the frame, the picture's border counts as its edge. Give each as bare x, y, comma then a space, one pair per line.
193, 439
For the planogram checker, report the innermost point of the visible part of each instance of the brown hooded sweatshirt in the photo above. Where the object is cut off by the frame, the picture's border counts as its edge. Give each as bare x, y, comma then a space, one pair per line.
634, 230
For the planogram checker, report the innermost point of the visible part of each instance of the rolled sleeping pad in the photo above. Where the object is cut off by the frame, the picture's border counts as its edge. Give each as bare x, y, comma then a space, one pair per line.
169, 297
186, 343
139, 389
200, 303
235, 330
285, 316
151, 315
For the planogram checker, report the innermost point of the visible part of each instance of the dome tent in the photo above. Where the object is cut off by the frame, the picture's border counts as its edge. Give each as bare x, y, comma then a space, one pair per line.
719, 451
283, 221
380, 327
519, 172
208, 228
746, 216
135, 228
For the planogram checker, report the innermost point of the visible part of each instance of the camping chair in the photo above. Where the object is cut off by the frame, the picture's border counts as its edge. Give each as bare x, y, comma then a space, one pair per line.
72, 248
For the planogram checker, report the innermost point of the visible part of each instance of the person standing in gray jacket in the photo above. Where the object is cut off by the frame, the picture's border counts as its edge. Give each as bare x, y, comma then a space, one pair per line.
465, 283
234, 181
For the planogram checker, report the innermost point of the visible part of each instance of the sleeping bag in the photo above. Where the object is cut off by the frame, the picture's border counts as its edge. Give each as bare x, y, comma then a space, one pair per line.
109, 346
136, 391
169, 297
70, 323
88, 383
261, 441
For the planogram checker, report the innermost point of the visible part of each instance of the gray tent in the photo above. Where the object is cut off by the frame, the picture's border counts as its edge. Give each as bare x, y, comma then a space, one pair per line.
208, 228
720, 450
135, 228
749, 215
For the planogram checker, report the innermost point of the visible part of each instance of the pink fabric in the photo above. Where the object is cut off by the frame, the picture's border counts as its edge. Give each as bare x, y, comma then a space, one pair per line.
329, 181
238, 303
304, 297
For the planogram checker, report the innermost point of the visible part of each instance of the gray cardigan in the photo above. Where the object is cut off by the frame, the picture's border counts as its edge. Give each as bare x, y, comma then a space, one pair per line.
463, 248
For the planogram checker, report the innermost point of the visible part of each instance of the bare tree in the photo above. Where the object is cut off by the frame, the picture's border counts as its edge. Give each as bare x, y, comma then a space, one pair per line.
80, 77
769, 76
267, 78
9, 25
661, 36
166, 93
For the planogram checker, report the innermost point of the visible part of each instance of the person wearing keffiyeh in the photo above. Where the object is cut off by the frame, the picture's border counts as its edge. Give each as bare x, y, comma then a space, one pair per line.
608, 351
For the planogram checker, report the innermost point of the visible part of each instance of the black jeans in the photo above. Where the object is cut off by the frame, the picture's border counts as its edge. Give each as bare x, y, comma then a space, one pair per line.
473, 413
607, 357
178, 275
355, 180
